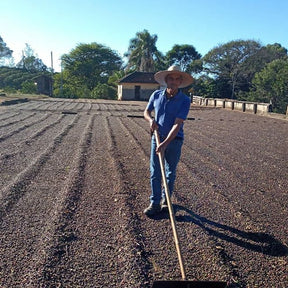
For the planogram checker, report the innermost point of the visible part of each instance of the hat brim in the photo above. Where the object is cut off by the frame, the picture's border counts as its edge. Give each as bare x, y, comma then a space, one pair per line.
187, 79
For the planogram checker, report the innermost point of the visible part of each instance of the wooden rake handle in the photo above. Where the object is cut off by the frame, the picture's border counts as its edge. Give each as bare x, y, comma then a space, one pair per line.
170, 208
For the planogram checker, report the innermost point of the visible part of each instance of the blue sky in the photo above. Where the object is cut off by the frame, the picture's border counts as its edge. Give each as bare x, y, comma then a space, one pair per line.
59, 25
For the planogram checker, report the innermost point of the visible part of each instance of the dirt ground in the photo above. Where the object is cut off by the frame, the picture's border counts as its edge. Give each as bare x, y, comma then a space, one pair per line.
74, 181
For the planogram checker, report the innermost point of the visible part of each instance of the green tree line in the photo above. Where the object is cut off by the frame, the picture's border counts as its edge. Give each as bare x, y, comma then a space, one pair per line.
239, 69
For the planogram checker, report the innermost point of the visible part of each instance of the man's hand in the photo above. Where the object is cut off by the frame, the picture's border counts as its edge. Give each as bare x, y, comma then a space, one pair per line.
148, 117
153, 125
172, 134
161, 148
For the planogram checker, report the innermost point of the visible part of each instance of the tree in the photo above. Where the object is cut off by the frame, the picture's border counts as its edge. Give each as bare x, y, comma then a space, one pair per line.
67, 86
12, 77
91, 64
104, 91
115, 77
182, 55
142, 52
204, 86
5, 52
271, 85
31, 62
225, 63
256, 62
266, 54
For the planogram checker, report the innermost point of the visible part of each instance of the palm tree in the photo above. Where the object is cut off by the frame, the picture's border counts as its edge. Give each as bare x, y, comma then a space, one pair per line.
142, 52
115, 77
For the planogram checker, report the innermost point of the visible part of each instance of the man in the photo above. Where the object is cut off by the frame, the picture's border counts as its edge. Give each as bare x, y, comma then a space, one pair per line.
171, 108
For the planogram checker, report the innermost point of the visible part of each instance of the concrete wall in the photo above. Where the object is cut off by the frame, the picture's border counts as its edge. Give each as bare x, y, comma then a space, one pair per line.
229, 104
127, 91
244, 106
220, 103
239, 105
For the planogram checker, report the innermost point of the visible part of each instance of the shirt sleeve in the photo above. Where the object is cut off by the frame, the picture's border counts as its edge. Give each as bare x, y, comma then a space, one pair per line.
150, 105
183, 112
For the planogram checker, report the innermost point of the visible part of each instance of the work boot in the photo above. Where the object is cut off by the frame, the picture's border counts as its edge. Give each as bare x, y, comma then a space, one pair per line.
153, 209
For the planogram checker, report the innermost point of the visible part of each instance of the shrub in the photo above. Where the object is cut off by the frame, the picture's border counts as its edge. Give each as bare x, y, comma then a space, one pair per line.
104, 91
28, 87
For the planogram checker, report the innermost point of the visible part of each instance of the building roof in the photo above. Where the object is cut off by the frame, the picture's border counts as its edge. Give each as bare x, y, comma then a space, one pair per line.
139, 77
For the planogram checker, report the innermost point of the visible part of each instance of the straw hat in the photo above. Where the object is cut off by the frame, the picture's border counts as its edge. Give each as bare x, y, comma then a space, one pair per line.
160, 76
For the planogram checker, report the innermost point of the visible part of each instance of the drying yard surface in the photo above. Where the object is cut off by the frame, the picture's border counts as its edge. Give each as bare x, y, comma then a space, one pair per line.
75, 180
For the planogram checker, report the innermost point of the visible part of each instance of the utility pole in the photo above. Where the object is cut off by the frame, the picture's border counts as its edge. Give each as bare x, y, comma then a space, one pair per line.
52, 71
61, 85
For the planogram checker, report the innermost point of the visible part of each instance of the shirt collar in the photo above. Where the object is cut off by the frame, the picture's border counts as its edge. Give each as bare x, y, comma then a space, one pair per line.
172, 98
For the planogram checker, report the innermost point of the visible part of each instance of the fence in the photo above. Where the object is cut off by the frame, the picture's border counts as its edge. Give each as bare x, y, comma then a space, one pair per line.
244, 106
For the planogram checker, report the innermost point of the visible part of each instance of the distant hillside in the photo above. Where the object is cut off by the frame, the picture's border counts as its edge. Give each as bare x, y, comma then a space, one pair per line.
13, 78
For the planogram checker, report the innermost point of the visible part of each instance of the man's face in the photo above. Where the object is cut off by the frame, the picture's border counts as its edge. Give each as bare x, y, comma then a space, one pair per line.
173, 81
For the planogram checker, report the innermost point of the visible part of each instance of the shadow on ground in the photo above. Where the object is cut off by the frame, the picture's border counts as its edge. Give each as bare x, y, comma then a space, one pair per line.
254, 241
